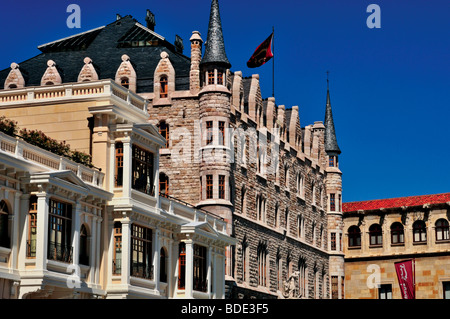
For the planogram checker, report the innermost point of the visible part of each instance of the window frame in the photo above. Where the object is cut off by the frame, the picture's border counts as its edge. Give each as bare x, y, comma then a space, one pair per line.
397, 234
143, 165
354, 236
377, 234
164, 87
60, 221
141, 263
419, 231
209, 186
442, 230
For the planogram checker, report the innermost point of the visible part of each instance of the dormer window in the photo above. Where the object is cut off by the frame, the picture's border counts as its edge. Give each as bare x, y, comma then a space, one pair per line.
125, 83
164, 87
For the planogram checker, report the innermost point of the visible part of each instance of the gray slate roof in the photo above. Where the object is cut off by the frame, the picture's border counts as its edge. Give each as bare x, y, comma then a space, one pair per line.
215, 46
331, 145
105, 46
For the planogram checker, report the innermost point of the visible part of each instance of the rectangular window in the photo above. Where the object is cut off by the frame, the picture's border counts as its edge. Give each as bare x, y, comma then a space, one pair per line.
385, 292
164, 131
334, 287
60, 231
332, 202
118, 178
333, 241
200, 268
331, 162
209, 132
222, 133
446, 289
219, 77
142, 167
339, 202
209, 186
32, 228
340, 242
222, 186
210, 77
182, 266
117, 255
141, 252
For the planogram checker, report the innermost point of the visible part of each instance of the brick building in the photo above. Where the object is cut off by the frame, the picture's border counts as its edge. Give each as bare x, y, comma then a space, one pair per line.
229, 150
379, 233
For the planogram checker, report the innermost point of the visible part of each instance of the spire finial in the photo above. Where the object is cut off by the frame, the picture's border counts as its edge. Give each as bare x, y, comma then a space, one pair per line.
328, 82
215, 47
331, 145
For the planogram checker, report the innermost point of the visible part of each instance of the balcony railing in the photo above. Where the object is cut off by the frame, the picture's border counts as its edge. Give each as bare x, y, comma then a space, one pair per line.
141, 270
101, 88
20, 149
59, 252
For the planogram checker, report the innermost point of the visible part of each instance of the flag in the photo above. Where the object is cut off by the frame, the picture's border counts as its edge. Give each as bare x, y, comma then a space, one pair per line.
405, 274
262, 54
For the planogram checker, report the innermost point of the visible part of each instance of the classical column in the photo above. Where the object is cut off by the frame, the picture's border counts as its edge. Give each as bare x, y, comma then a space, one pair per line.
15, 232
23, 214
76, 233
156, 259
42, 230
127, 167
126, 244
93, 250
189, 284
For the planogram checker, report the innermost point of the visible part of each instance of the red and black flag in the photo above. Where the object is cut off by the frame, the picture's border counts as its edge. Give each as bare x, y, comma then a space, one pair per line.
262, 54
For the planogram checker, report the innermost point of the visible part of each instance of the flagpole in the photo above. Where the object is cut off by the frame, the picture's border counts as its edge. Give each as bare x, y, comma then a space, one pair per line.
273, 62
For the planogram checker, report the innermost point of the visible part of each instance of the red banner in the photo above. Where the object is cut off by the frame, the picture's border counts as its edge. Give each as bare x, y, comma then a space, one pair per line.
405, 274
262, 54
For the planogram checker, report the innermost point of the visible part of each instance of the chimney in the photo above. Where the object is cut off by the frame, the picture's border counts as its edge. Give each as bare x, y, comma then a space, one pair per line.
150, 19
179, 46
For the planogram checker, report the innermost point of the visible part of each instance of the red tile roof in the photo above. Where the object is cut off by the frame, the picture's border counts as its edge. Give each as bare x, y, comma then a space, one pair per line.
396, 202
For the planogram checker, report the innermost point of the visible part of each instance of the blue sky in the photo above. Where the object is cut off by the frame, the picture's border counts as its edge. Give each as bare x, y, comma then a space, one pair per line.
389, 86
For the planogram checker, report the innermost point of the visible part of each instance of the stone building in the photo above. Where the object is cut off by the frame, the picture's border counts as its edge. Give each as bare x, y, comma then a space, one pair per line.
228, 150
379, 233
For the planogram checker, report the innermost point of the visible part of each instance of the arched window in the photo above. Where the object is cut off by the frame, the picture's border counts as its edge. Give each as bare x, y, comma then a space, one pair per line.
442, 230
12, 86
163, 184
49, 83
397, 234
354, 236
125, 82
276, 215
243, 200
4, 216
376, 237
162, 265
302, 277
419, 231
164, 87
84, 255
262, 265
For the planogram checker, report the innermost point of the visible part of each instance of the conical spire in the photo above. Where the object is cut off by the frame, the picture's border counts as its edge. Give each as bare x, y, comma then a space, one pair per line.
331, 145
215, 47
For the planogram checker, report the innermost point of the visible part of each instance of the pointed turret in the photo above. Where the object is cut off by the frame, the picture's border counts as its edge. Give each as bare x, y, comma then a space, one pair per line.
331, 145
215, 47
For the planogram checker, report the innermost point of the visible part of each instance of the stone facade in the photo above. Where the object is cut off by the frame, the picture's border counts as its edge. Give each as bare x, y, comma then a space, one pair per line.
230, 151
411, 228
